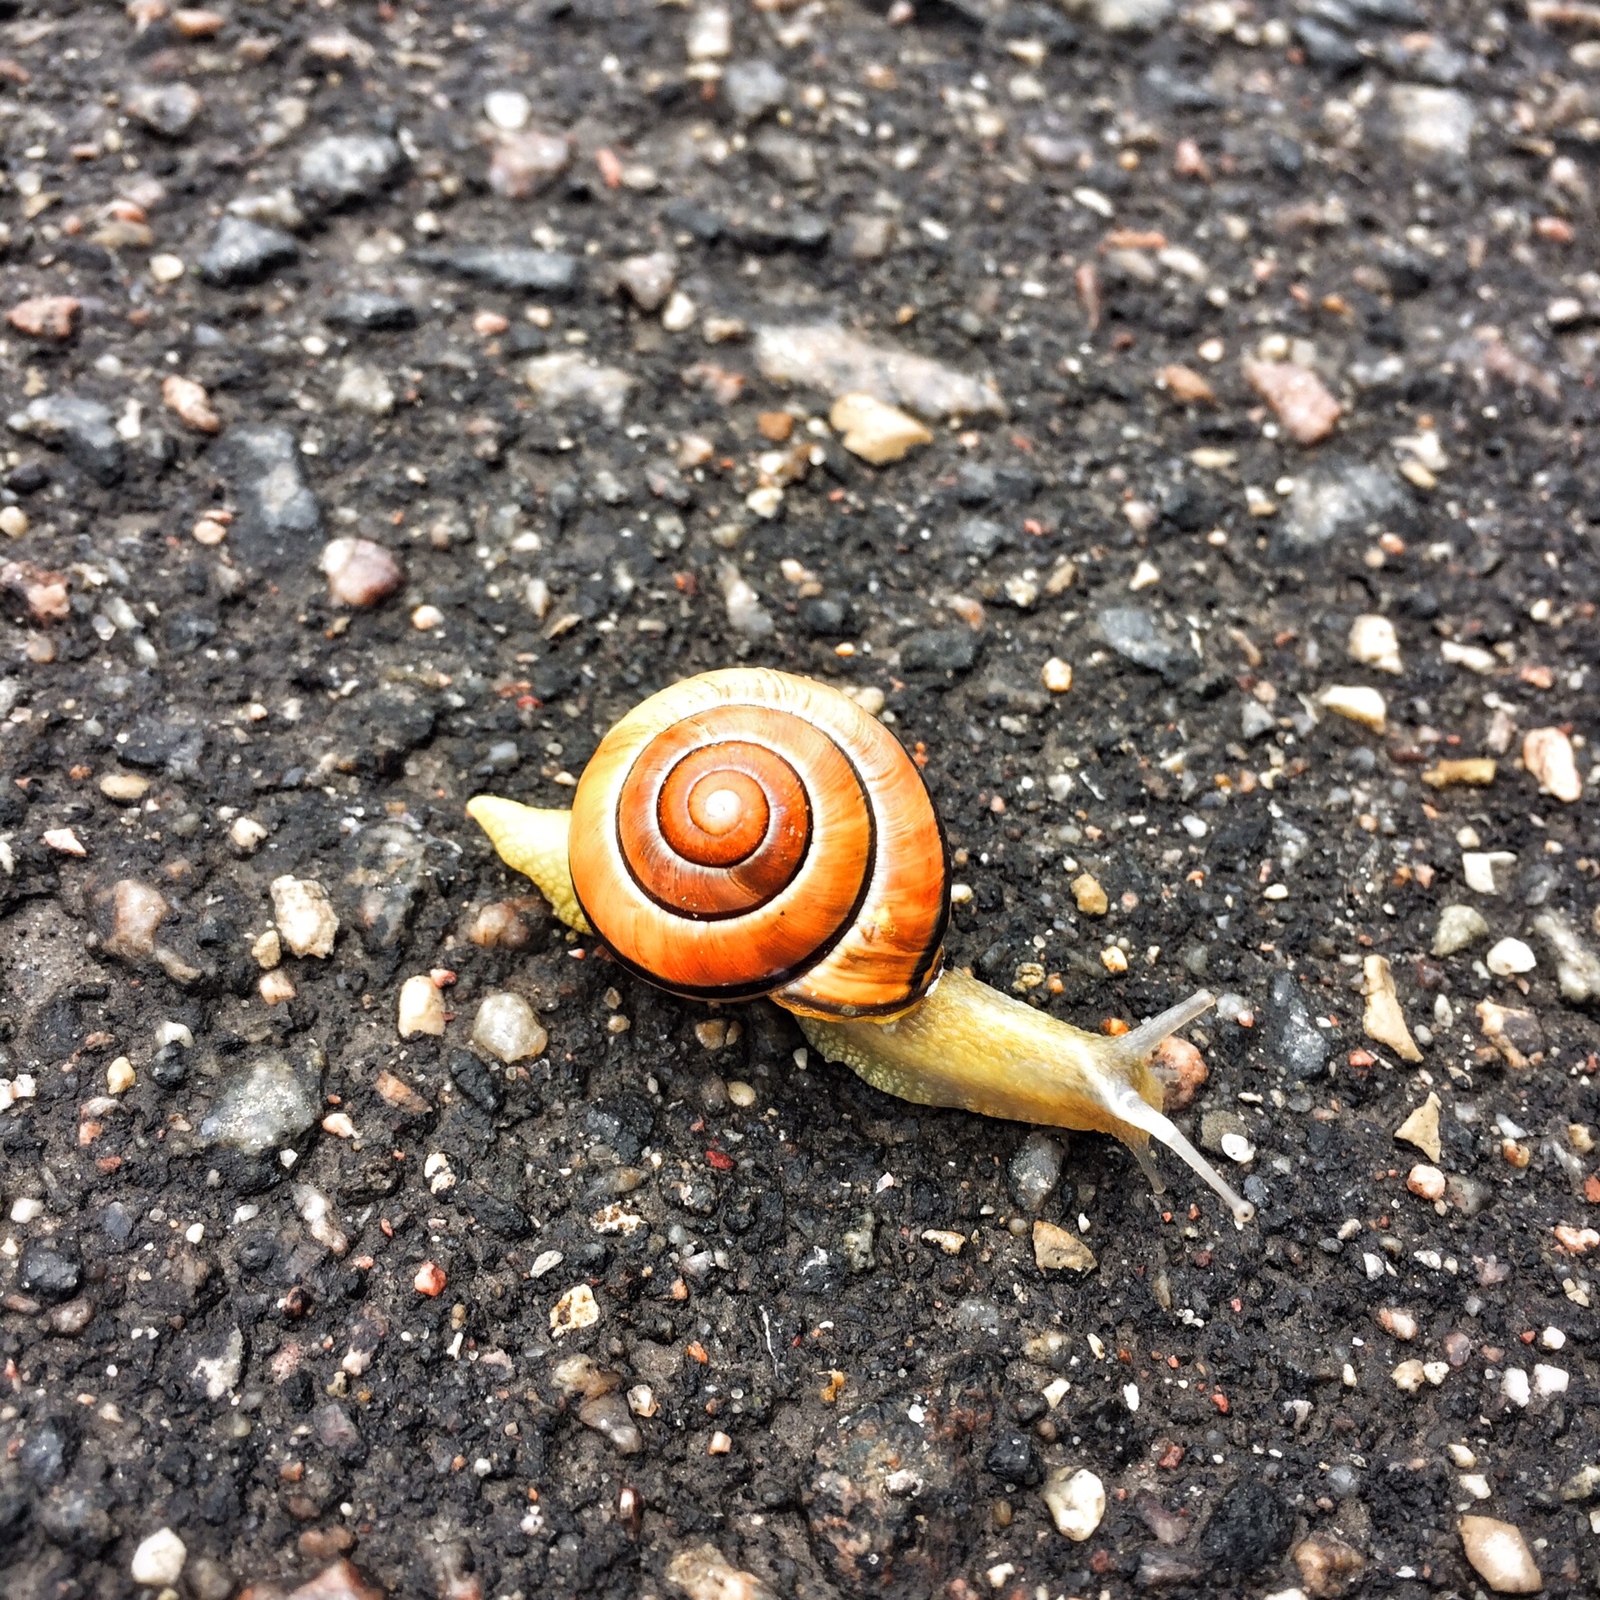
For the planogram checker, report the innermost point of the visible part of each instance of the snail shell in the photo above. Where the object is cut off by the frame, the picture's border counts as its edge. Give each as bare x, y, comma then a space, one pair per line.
750, 832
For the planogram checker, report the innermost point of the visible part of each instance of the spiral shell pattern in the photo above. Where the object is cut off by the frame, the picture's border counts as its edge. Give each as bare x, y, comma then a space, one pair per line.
751, 832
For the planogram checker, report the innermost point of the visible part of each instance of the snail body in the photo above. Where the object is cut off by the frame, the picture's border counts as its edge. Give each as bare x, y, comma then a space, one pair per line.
749, 832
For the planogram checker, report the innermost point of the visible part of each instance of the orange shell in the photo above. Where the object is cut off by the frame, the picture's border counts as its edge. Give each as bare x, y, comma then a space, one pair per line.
752, 832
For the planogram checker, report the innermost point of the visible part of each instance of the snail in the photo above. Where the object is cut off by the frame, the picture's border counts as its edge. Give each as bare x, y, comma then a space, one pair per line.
750, 832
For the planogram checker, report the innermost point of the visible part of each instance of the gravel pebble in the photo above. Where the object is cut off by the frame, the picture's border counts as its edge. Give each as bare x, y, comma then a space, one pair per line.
1055, 1249
1421, 1128
159, 1559
1547, 754
828, 359
507, 1028
421, 1009
344, 169
1500, 1555
874, 431
242, 253
305, 916
1076, 1500
1356, 702
1298, 396
1509, 957
361, 572
1577, 965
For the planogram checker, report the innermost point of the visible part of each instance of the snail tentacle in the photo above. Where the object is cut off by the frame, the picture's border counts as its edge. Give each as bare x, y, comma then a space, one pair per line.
970, 1047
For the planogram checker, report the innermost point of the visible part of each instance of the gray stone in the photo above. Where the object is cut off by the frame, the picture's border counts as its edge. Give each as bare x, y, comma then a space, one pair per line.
166, 108
386, 870
173, 744
336, 1431
81, 427
244, 252
767, 232
1433, 125
73, 1517
1132, 632
49, 1447
649, 278
1255, 720
1333, 502
939, 650
513, 268
263, 1107
1577, 966
278, 520
1458, 927
753, 88
1303, 1048
1325, 46
1433, 62
567, 381
983, 537
830, 359
49, 1271
785, 156
366, 311
864, 236
345, 168
609, 1416
1035, 1171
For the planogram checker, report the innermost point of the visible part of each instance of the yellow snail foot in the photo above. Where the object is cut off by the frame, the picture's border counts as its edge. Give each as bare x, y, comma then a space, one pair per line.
969, 1046
533, 842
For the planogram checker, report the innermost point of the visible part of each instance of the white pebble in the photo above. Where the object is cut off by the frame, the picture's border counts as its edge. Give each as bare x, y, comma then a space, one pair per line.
159, 1559
304, 915
1408, 1377
1509, 957
1500, 1555
1549, 1380
1483, 869
1358, 703
507, 109
1515, 1387
1374, 643
421, 1008
507, 1028
365, 389
247, 834
1076, 1500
